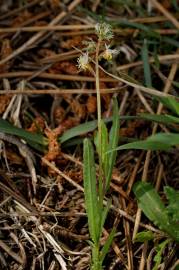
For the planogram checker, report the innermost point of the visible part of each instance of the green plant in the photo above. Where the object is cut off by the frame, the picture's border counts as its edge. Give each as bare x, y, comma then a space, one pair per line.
95, 190
165, 217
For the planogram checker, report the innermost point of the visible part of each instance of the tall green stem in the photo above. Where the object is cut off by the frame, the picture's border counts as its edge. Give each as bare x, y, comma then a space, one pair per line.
99, 125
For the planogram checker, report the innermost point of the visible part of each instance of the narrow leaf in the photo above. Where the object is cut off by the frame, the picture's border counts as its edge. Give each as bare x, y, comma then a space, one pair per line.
159, 141
91, 198
107, 245
8, 128
113, 143
158, 257
150, 203
89, 127
104, 214
146, 65
104, 145
164, 119
170, 103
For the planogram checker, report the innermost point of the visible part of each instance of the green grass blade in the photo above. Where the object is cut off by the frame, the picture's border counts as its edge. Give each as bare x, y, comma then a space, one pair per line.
107, 245
170, 103
104, 213
146, 65
78, 130
91, 198
8, 128
113, 143
160, 141
158, 257
104, 145
88, 127
164, 119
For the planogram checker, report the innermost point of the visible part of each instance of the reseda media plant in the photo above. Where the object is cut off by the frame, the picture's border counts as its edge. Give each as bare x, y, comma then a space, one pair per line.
95, 190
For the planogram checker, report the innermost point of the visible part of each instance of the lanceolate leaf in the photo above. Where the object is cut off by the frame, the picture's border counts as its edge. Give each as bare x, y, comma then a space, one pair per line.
104, 144
107, 245
105, 211
165, 119
8, 128
113, 142
150, 202
91, 198
89, 127
159, 141
152, 206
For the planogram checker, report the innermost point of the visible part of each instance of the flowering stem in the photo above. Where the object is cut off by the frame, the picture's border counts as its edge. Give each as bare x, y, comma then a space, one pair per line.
99, 123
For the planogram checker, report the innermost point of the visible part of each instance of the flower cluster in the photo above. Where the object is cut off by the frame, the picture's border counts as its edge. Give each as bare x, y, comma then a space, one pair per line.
108, 53
83, 62
104, 33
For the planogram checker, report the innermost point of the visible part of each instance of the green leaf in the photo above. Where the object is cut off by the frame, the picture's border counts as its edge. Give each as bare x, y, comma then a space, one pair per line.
152, 206
107, 245
159, 141
144, 236
104, 214
113, 142
104, 145
78, 130
170, 103
91, 198
150, 203
88, 127
8, 128
146, 65
158, 257
164, 119
173, 198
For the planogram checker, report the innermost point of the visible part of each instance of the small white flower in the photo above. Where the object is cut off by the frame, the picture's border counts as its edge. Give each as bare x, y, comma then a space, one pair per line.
108, 53
104, 31
83, 62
